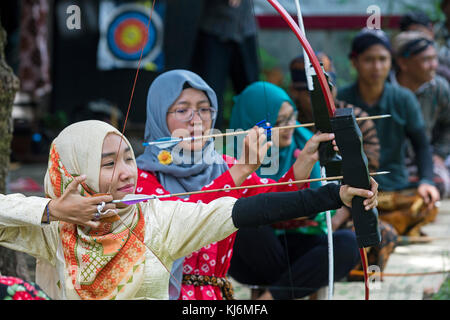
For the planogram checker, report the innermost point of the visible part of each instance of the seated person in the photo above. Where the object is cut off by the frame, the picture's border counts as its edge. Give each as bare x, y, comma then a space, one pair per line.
294, 255
378, 255
371, 57
416, 63
441, 36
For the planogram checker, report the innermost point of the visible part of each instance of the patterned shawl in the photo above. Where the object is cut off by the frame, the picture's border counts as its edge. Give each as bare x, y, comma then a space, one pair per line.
102, 263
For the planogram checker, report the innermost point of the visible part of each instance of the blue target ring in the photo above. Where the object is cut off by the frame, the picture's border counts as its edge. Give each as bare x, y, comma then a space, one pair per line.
126, 35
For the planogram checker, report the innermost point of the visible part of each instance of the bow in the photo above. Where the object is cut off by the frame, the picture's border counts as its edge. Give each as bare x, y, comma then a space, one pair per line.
341, 122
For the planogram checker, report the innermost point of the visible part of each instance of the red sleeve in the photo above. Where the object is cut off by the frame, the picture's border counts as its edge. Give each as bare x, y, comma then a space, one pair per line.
148, 184
254, 179
223, 181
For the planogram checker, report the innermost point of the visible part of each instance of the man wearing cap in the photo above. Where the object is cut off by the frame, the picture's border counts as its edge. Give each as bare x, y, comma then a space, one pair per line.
416, 63
417, 21
298, 90
371, 57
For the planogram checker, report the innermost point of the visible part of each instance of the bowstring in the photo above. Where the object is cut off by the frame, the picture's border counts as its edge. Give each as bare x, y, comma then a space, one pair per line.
132, 91
122, 135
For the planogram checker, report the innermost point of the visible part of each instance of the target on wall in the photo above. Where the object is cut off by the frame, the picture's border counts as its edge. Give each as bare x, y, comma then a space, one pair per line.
125, 35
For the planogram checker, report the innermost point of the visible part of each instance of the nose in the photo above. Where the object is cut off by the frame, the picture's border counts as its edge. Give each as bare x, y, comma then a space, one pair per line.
434, 64
196, 118
124, 170
378, 64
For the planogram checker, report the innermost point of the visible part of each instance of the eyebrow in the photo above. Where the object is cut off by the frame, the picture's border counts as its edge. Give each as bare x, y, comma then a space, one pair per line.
200, 102
105, 155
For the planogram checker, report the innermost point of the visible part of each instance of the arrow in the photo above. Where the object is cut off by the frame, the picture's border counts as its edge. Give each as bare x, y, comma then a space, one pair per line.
130, 199
167, 142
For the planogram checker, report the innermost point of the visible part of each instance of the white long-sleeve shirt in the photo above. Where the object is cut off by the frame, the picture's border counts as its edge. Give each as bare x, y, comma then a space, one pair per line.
173, 229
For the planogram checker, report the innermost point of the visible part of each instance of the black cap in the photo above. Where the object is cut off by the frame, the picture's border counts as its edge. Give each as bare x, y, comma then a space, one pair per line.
367, 38
415, 17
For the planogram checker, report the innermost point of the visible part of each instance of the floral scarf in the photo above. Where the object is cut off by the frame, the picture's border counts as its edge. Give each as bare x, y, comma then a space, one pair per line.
102, 263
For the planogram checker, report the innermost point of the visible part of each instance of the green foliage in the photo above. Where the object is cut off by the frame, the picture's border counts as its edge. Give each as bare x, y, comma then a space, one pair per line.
444, 291
56, 121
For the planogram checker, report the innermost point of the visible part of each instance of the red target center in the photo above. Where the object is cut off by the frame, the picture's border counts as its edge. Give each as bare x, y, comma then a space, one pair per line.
131, 35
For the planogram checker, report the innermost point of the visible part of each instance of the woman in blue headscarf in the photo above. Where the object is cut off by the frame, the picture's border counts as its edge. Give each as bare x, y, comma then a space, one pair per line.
304, 246
180, 103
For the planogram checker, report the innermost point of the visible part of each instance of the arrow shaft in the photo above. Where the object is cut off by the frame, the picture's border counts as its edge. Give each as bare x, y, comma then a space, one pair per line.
236, 133
244, 187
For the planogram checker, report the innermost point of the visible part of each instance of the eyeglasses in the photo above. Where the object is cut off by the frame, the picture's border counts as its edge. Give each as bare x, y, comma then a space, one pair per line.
287, 120
185, 114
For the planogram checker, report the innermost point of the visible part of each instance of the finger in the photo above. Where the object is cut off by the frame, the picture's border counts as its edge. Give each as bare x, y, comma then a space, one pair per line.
262, 138
253, 134
360, 192
373, 185
265, 147
73, 186
96, 200
436, 196
370, 201
324, 137
371, 206
111, 206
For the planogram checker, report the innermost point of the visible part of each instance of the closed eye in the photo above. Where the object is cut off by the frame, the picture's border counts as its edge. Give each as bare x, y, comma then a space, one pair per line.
108, 164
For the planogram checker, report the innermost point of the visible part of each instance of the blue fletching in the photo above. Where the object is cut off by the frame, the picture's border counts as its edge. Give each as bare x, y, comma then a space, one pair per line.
163, 143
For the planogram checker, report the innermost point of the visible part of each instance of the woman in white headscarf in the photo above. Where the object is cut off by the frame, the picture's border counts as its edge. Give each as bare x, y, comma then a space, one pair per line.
126, 256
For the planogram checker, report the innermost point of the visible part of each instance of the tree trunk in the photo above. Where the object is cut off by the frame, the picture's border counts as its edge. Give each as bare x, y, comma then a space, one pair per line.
9, 84
12, 263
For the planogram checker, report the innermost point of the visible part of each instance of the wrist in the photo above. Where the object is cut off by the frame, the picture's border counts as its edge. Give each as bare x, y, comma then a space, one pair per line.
50, 211
243, 169
240, 172
303, 167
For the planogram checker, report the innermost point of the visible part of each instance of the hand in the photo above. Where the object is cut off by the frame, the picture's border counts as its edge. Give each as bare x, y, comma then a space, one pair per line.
347, 193
437, 160
310, 155
74, 208
311, 149
342, 215
234, 3
429, 193
254, 149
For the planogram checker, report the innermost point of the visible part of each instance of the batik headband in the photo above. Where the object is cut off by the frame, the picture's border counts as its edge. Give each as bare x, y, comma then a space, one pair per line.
415, 47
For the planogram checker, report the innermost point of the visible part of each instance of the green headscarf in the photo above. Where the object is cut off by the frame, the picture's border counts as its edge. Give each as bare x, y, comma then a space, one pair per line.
262, 100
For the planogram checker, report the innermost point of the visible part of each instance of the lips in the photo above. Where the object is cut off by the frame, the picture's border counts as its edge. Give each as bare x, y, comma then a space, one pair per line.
126, 188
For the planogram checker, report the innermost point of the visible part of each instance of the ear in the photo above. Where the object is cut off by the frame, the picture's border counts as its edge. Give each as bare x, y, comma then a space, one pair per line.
354, 61
401, 63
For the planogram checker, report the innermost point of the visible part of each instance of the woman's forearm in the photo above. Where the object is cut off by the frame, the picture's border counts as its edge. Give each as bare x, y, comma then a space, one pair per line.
239, 172
268, 208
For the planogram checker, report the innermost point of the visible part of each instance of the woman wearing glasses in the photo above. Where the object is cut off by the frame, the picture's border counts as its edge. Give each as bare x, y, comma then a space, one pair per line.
180, 103
294, 255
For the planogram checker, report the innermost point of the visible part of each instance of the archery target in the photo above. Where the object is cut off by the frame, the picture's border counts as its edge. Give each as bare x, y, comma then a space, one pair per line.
127, 34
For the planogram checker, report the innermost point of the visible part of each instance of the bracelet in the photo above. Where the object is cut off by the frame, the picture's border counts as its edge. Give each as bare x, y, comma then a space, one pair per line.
48, 214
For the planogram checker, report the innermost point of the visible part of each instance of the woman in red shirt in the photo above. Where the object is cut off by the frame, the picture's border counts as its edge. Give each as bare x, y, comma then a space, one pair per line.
180, 103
